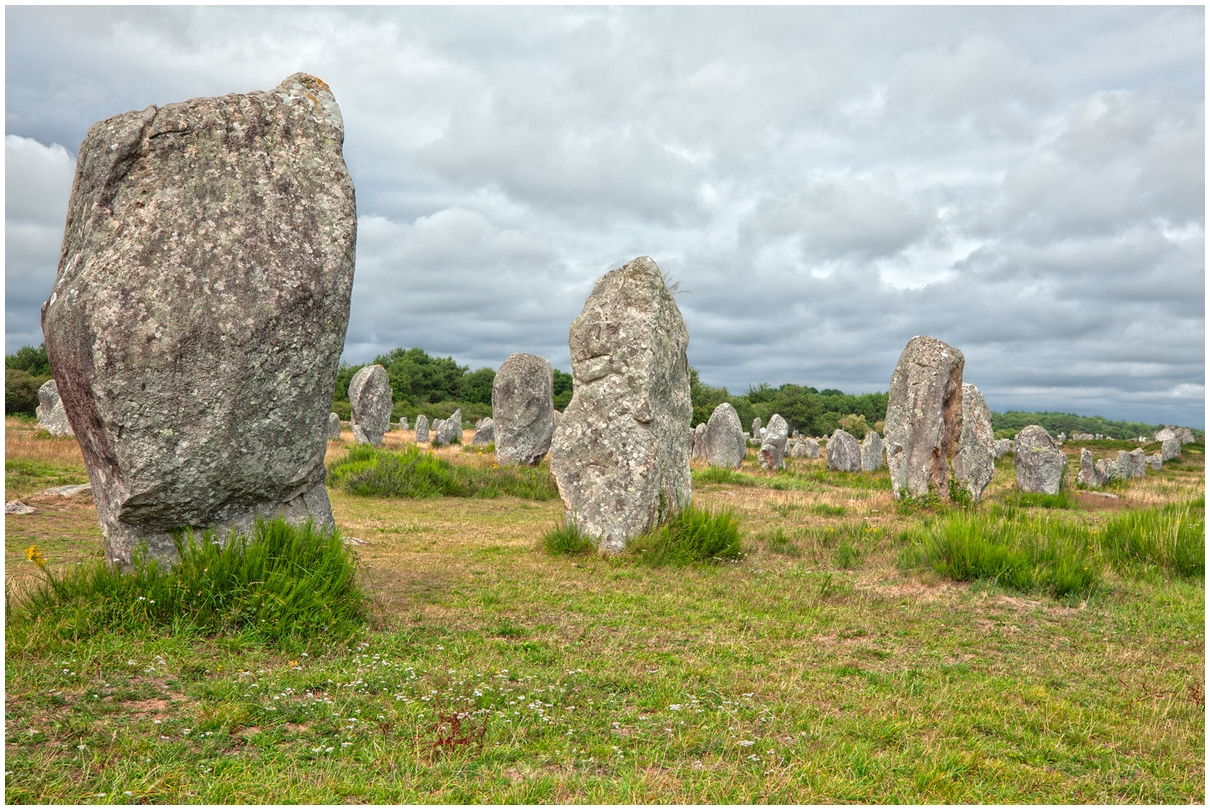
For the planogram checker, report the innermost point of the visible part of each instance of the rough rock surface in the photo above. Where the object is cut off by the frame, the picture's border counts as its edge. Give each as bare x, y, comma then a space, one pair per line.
1186, 436
485, 431
51, 416
975, 461
370, 398
403, 423
18, 508
871, 451
1107, 470
422, 428
523, 409
333, 425
812, 446
1156, 461
619, 454
844, 453
1164, 434
448, 431
1040, 465
1171, 448
1088, 472
1134, 463
773, 443
199, 312
723, 439
1003, 447
924, 417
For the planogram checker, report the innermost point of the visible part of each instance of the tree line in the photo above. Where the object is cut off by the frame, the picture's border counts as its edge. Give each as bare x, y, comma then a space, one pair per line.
437, 386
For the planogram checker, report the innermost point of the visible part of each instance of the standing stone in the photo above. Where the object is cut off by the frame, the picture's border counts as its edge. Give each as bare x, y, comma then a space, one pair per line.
756, 426
871, 452
812, 447
797, 448
403, 423
485, 431
51, 416
422, 428
448, 431
523, 409
1164, 434
773, 443
1088, 473
333, 426
844, 454
691, 440
724, 438
618, 454
1186, 436
924, 417
1107, 470
370, 399
198, 315
699, 441
975, 461
1040, 465
1003, 447
1134, 463
1156, 461
1171, 448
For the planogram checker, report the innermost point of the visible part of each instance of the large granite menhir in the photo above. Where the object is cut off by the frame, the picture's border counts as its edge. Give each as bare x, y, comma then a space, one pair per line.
619, 454
523, 409
924, 417
724, 442
370, 401
1040, 465
199, 312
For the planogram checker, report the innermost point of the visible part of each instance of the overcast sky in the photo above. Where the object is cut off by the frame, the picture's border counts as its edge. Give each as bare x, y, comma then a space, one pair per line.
1027, 184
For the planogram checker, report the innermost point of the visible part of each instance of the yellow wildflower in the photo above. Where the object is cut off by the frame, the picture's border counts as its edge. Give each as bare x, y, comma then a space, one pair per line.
34, 555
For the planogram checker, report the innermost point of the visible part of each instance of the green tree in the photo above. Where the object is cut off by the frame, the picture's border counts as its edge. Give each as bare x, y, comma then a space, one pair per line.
21, 392
30, 360
564, 386
477, 386
417, 378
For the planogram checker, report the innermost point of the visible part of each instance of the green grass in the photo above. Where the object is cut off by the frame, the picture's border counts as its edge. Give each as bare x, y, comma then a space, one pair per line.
691, 535
283, 585
1170, 538
722, 475
1022, 553
414, 473
1025, 500
567, 539
22, 475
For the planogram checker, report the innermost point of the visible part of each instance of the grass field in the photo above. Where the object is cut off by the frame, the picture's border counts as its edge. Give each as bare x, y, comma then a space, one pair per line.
837, 661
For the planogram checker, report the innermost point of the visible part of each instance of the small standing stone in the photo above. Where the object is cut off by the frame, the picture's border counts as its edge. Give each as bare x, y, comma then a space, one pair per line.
1157, 461
485, 432
1132, 464
871, 451
756, 426
422, 428
975, 461
449, 430
773, 443
370, 399
1171, 448
724, 438
1164, 434
811, 447
333, 425
523, 409
51, 416
403, 423
1107, 470
1040, 465
844, 454
1088, 472
699, 441
1186, 436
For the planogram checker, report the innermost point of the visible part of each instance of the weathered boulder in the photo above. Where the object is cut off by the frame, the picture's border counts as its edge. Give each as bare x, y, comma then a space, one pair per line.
1156, 461
485, 431
199, 312
773, 443
523, 409
618, 454
1107, 470
1088, 473
723, 438
871, 451
812, 447
1171, 448
975, 461
422, 428
1134, 463
333, 426
448, 431
370, 399
1040, 465
1166, 433
403, 423
844, 453
924, 417
1186, 436
51, 416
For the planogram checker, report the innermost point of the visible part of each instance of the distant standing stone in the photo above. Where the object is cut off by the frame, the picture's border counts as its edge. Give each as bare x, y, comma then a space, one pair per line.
370, 399
1107, 470
1186, 436
924, 417
619, 454
1134, 463
1040, 465
485, 432
1164, 434
772, 453
422, 428
449, 430
975, 461
333, 425
1156, 461
844, 454
871, 451
403, 423
724, 438
699, 441
1171, 448
1088, 473
811, 447
523, 409
756, 426
197, 319
51, 416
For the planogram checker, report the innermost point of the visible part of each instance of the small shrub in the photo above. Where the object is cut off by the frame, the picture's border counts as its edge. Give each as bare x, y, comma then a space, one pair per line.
283, 584
414, 473
1171, 538
691, 535
567, 540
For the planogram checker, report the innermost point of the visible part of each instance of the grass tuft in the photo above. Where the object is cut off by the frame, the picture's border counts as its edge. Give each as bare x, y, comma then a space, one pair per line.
567, 540
722, 475
1171, 538
414, 473
283, 585
691, 535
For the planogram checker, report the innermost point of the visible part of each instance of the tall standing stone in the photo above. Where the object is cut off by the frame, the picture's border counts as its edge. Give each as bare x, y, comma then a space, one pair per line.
51, 416
871, 451
523, 409
1171, 448
448, 431
1088, 477
1134, 463
724, 438
199, 311
975, 461
1040, 465
924, 417
772, 453
619, 454
844, 454
756, 427
370, 399
422, 428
